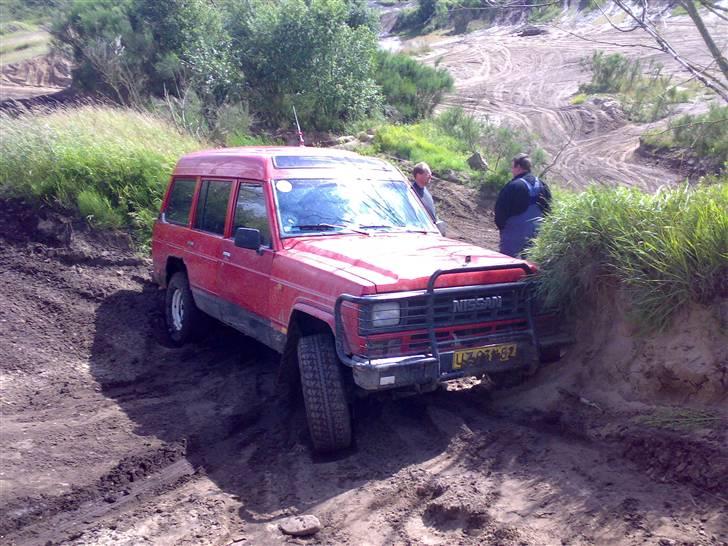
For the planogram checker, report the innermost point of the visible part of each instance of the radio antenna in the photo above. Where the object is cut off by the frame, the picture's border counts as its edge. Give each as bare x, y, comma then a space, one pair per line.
300, 134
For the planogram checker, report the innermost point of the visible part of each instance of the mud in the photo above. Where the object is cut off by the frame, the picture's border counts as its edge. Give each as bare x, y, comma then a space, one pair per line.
112, 437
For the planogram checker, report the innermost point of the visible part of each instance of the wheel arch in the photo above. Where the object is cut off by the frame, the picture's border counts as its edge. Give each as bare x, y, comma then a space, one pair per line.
302, 322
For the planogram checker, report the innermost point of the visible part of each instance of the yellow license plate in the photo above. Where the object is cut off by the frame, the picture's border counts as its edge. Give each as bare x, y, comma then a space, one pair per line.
469, 358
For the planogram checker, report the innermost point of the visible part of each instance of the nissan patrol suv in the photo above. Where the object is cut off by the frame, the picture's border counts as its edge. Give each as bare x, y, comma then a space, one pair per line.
329, 258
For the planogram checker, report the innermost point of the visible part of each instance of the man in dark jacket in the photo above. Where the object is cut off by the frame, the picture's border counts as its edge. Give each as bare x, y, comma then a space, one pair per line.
520, 206
422, 175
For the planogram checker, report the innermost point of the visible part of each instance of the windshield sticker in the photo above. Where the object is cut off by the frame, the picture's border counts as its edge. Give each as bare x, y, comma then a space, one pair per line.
284, 186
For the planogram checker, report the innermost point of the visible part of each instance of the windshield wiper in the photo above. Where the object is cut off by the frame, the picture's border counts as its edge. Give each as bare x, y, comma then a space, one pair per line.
375, 226
321, 227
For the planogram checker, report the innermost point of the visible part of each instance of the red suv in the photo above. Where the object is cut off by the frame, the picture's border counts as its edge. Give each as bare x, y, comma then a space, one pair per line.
330, 258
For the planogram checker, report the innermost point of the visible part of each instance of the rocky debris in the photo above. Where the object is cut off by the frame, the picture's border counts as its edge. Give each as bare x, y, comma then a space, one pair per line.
532, 30
477, 162
300, 526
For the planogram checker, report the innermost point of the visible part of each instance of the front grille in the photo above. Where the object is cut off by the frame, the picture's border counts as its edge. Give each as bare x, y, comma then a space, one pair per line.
513, 302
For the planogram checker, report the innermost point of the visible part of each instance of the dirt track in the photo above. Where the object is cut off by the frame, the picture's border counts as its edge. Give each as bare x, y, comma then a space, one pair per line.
528, 83
109, 437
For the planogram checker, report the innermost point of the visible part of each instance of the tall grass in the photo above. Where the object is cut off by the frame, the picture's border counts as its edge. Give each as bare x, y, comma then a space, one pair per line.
663, 250
108, 165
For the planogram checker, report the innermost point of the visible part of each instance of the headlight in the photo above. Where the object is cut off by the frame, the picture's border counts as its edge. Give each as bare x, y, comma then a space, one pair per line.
385, 314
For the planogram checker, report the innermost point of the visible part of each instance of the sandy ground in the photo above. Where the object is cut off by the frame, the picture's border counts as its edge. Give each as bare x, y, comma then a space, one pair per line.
111, 437
528, 83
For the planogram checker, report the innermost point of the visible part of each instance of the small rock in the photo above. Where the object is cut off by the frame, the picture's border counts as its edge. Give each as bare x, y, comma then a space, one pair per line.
300, 526
110, 498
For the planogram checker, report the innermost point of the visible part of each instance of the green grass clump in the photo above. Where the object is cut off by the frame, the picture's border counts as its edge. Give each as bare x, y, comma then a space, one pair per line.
578, 99
705, 135
663, 250
446, 142
108, 165
645, 93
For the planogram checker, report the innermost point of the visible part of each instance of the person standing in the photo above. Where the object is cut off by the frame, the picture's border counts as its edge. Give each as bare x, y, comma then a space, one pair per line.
520, 207
422, 175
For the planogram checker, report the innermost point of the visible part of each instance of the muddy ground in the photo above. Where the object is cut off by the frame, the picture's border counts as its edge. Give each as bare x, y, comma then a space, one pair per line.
109, 436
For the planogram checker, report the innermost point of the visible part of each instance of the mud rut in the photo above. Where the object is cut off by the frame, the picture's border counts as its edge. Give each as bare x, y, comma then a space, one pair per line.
110, 437
528, 82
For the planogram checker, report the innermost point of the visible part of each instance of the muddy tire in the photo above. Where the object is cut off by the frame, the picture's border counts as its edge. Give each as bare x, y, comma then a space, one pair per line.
324, 393
550, 354
182, 317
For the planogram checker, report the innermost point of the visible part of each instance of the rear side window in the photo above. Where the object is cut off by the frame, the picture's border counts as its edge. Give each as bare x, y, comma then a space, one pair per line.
212, 205
180, 202
250, 211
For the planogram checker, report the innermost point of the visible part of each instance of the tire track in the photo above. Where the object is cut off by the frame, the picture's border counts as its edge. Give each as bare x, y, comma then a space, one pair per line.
527, 83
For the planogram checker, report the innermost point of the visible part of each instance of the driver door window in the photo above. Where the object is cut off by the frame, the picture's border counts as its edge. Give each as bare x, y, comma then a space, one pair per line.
250, 211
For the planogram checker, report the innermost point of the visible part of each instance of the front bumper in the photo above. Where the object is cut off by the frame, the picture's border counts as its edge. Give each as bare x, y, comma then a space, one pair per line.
438, 364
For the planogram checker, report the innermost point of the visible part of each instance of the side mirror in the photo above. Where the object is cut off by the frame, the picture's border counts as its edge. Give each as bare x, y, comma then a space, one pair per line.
248, 238
442, 226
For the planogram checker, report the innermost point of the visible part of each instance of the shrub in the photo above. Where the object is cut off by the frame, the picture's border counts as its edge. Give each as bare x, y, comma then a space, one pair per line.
646, 94
705, 135
663, 250
305, 54
410, 87
108, 165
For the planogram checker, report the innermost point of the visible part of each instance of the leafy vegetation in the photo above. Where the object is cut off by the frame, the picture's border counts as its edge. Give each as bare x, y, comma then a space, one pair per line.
411, 89
305, 54
705, 135
109, 165
646, 94
446, 142
663, 250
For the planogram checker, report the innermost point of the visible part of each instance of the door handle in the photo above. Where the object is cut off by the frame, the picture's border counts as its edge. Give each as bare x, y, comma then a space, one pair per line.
225, 254
190, 243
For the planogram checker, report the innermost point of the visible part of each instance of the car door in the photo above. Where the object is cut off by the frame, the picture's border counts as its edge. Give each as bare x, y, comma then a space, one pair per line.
204, 244
244, 275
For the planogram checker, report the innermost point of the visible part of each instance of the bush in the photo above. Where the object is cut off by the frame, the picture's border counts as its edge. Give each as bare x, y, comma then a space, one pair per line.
410, 87
663, 250
108, 165
305, 54
447, 141
705, 135
645, 97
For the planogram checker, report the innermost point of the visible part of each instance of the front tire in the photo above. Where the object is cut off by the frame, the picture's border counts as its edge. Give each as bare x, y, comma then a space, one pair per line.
324, 393
182, 316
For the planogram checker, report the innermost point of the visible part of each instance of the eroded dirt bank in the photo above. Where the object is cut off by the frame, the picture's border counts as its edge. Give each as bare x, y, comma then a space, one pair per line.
110, 437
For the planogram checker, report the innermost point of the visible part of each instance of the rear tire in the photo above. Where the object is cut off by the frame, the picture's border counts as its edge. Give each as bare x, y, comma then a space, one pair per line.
182, 316
324, 393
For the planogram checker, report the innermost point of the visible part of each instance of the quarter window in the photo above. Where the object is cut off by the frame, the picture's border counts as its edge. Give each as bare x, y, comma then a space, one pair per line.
250, 211
212, 206
180, 202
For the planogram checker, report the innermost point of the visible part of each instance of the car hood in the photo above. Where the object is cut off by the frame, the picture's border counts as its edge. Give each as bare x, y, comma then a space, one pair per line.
403, 261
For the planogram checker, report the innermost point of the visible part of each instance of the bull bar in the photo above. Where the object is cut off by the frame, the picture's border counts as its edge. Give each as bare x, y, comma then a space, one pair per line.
427, 367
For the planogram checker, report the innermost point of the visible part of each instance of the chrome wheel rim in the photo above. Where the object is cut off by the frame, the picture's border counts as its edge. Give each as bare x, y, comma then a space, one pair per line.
178, 310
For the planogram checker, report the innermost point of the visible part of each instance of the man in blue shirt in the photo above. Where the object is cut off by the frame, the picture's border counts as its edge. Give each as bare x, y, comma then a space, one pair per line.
422, 175
520, 207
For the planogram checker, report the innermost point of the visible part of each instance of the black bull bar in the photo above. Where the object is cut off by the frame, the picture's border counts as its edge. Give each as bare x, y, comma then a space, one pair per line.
430, 362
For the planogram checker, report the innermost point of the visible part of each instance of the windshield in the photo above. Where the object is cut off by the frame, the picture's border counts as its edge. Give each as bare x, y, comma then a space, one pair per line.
326, 206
